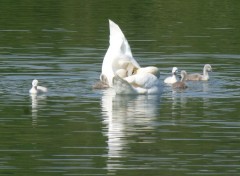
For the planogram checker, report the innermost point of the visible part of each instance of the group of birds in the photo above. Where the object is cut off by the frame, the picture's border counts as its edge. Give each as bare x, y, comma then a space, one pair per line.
180, 84
123, 73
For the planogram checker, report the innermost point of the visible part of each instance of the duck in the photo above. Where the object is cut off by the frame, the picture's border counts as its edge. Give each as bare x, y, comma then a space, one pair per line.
36, 88
118, 56
181, 84
144, 82
172, 79
200, 77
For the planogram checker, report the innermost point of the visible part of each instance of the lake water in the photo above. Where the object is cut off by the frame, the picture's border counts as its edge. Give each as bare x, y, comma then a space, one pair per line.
75, 130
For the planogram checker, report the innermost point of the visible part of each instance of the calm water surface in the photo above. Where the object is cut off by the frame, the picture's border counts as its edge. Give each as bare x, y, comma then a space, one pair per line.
75, 130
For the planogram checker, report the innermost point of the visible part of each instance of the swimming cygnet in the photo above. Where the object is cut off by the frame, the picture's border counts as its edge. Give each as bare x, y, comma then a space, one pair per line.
37, 89
199, 77
102, 84
172, 79
181, 84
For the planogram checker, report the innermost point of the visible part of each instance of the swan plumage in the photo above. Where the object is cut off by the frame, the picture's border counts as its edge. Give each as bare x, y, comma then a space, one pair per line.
141, 83
181, 84
172, 79
122, 72
36, 88
118, 55
198, 76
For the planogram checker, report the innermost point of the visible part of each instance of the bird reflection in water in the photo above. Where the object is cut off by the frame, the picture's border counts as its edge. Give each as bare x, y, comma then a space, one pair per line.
197, 95
124, 117
35, 106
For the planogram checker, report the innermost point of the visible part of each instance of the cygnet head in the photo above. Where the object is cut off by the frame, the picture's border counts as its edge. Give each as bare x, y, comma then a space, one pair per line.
174, 70
207, 67
34, 83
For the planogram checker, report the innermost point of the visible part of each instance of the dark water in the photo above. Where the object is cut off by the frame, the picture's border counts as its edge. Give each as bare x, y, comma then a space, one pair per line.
74, 130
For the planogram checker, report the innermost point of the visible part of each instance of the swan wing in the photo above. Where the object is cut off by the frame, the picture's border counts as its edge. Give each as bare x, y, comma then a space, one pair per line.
143, 80
137, 84
121, 86
42, 89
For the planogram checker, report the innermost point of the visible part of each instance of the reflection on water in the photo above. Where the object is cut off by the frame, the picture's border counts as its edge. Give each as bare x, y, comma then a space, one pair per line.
37, 101
124, 117
78, 131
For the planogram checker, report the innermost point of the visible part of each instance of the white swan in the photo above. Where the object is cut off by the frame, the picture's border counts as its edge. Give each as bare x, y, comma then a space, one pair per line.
172, 79
36, 88
143, 82
199, 77
181, 84
118, 56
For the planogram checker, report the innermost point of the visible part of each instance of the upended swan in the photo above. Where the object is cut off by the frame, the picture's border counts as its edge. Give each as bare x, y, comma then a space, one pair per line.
172, 79
122, 72
36, 88
118, 56
181, 84
199, 77
141, 83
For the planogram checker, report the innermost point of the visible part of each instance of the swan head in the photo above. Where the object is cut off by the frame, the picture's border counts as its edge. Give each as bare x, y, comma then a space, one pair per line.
174, 70
207, 67
35, 83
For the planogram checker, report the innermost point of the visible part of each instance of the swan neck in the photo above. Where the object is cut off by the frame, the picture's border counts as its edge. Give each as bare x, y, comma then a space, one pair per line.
205, 72
183, 78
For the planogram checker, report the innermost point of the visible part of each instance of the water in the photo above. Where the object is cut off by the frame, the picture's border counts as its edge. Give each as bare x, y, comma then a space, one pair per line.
75, 130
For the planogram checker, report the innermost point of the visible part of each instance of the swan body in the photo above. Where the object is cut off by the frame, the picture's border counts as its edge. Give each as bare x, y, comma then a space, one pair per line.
36, 88
141, 83
199, 77
181, 84
172, 79
118, 56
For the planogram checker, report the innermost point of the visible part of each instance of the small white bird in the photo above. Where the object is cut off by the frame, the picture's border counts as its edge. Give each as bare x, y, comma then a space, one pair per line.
37, 89
172, 79
199, 77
